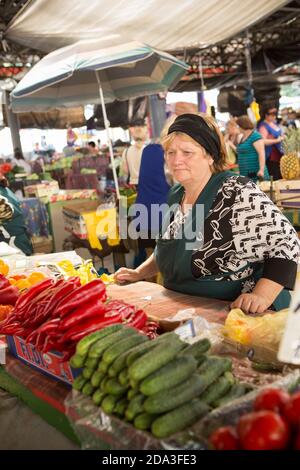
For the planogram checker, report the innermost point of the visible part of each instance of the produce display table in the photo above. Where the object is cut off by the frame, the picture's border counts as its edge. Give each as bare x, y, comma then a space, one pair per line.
46, 396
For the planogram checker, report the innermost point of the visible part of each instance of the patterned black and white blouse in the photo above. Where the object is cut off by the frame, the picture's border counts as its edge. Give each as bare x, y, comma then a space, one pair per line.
243, 226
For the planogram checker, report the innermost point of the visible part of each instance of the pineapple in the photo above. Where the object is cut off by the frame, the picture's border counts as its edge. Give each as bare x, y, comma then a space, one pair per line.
289, 162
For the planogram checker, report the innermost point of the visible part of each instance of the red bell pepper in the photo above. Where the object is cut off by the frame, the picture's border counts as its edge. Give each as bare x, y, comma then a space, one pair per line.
89, 292
33, 292
89, 326
9, 295
4, 282
61, 294
87, 310
137, 320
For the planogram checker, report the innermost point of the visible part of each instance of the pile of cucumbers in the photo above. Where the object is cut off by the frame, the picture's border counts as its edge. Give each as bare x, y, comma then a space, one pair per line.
163, 385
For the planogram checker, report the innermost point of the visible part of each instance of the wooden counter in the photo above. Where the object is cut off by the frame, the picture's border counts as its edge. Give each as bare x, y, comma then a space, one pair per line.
161, 303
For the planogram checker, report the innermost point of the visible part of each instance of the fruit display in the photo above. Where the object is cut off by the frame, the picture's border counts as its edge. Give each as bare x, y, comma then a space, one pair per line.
289, 162
274, 424
162, 386
55, 315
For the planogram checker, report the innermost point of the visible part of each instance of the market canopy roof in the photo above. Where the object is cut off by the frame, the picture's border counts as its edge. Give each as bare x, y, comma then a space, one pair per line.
168, 25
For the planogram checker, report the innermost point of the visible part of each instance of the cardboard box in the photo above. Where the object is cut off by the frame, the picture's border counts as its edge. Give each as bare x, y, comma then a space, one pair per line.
44, 190
46, 363
73, 220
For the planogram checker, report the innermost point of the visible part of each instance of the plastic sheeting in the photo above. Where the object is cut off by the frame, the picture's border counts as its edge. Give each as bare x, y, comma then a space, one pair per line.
167, 25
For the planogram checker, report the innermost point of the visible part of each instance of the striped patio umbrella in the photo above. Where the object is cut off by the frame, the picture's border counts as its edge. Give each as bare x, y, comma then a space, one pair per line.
90, 71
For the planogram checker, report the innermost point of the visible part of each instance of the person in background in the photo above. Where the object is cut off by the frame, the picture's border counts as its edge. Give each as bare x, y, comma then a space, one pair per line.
231, 137
251, 151
153, 189
92, 148
131, 157
71, 136
20, 161
14, 228
272, 137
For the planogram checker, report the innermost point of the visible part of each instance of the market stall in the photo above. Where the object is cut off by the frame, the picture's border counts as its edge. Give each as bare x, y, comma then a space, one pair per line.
132, 315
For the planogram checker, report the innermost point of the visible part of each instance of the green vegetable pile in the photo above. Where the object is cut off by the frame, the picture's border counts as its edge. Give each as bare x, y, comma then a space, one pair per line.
162, 386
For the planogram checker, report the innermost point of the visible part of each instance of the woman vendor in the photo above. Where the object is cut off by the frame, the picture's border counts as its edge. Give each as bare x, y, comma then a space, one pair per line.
247, 251
13, 227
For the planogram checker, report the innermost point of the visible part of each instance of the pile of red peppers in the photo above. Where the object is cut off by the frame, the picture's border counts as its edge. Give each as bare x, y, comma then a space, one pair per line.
8, 294
55, 315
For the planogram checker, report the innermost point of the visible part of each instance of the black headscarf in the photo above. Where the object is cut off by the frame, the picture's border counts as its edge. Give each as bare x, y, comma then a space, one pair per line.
196, 127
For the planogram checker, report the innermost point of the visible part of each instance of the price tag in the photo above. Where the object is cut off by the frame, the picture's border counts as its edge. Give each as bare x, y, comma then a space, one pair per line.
186, 331
289, 350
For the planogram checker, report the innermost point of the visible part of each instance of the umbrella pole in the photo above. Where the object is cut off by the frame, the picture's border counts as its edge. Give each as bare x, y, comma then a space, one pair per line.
107, 125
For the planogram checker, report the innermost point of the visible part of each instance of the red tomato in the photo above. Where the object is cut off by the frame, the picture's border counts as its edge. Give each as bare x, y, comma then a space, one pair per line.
224, 439
272, 399
263, 430
292, 409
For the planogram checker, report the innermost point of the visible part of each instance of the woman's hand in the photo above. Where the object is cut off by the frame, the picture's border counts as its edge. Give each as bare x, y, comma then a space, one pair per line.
251, 303
127, 275
260, 173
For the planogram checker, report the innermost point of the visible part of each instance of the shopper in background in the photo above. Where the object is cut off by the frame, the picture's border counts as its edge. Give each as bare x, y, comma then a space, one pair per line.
153, 188
92, 148
20, 161
251, 151
131, 157
272, 134
231, 138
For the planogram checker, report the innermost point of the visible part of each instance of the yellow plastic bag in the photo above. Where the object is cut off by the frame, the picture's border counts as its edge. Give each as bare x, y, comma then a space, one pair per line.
265, 331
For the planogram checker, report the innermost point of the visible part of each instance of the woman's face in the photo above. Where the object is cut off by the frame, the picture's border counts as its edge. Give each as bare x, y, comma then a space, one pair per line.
187, 161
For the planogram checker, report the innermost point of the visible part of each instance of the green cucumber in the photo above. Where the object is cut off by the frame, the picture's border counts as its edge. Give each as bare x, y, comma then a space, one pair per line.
135, 407
236, 391
88, 389
91, 363
178, 419
139, 350
102, 367
96, 378
143, 421
218, 389
213, 368
79, 382
120, 407
85, 343
113, 387
98, 348
154, 359
103, 382
108, 404
123, 377
196, 349
120, 362
173, 373
98, 396
167, 400
77, 361
118, 348
87, 373
132, 392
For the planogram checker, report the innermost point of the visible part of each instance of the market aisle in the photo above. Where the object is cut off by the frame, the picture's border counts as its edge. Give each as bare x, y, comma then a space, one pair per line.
31, 431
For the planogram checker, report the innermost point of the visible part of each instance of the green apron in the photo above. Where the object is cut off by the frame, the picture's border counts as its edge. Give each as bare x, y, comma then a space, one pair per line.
175, 261
16, 226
